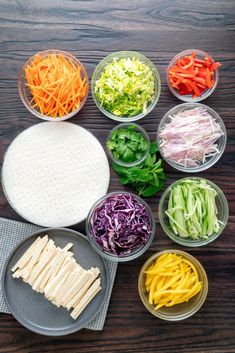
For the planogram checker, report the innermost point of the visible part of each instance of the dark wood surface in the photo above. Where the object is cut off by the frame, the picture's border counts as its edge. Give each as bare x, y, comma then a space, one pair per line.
159, 29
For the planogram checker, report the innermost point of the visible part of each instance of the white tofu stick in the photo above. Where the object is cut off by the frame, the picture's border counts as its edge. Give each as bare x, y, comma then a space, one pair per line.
60, 284
89, 295
69, 266
26, 256
75, 300
72, 278
55, 267
17, 273
45, 271
25, 272
62, 290
41, 276
76, 287
45, 257
68, 246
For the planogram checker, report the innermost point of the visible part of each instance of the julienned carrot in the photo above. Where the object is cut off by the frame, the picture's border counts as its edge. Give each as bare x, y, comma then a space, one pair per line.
57, 85
190, 75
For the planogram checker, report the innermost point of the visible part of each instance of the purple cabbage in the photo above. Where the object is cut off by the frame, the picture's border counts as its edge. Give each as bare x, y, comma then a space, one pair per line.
120, 224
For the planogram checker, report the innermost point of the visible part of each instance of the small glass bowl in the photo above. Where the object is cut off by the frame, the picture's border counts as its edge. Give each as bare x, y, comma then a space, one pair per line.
26, 95
221, 142
179, 311
139, 129
188, 98
136, 252
126, 54
222, 216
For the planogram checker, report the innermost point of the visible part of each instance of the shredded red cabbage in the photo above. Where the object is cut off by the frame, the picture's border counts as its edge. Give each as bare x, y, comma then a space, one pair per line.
120, 224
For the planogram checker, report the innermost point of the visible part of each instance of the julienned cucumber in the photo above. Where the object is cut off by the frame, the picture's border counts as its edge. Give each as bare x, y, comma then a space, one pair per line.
192, 209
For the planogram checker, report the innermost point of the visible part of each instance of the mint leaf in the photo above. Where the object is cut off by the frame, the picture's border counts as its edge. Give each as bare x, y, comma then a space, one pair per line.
153, 147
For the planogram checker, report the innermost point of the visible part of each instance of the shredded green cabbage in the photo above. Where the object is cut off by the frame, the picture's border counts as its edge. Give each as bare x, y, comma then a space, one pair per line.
125, 87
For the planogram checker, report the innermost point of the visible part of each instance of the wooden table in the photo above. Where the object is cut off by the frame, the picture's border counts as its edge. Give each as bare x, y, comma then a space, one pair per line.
159, 29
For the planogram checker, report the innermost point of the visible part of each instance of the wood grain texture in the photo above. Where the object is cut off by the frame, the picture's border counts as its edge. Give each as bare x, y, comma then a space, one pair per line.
159, 29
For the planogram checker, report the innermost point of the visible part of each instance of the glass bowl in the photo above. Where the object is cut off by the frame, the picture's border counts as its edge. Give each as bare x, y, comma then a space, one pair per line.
222, 216
179, 311
188, 98
138, 129
137, 251
221, 142
26, 95
126, 54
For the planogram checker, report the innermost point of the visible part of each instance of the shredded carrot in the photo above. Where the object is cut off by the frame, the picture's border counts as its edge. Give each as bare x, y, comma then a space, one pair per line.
58, 86
192, 76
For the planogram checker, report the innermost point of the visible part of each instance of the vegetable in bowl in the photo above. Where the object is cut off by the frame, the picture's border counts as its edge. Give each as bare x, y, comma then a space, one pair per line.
193, 211
53, 85
120, 226
172, 285
128, 144
171, 280
125, 86
192, 137
192, 75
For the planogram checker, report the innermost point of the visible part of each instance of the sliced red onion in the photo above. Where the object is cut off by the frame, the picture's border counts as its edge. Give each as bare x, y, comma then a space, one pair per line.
190, 137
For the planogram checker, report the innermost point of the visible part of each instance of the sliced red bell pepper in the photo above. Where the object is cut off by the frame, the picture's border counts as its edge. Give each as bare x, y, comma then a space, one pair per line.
208, 78
192, 75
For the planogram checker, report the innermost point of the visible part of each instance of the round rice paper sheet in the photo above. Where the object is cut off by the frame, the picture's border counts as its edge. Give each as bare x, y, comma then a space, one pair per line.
53, 172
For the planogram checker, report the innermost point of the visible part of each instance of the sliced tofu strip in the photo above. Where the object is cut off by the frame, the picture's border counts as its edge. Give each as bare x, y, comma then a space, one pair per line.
72, 278
51, 285
34, 259
26, 256
45, 271
45, 257
76, 287
25, 271
75, 300
17, 273
90, 294
55, 267
60, 284
68, 246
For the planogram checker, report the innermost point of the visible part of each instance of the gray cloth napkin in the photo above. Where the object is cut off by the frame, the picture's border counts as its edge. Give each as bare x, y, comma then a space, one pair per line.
11, 234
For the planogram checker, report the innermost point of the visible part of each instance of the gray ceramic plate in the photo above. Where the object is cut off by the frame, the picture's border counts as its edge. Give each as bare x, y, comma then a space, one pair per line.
32, 309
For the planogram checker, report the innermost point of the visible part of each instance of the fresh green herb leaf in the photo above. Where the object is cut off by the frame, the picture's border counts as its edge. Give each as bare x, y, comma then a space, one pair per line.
151, 190
147, 178
153, 148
